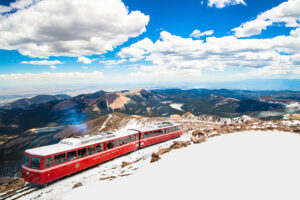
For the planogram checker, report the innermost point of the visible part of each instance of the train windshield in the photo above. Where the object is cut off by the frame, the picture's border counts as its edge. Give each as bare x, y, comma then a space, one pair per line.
26, 160
35, 162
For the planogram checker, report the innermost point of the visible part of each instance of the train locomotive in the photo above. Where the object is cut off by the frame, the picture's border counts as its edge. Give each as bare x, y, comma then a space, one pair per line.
45, 164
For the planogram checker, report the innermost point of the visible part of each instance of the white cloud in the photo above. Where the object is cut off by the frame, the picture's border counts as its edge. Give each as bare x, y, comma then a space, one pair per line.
85, 60
17, 5
137, 51
224, 3
51, 76
287, 12
4, 9
174, 57
70, 27
197, 33
84, 67
52, 67
21, 4
42, 62
112, 62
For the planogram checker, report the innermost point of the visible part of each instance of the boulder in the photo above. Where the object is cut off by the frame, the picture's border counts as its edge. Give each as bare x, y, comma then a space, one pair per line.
79, 184
163, 151
154, 157
195, 139
198, 133
203, 139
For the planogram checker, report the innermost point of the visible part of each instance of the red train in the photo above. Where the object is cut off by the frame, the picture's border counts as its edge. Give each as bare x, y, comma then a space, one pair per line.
48, 163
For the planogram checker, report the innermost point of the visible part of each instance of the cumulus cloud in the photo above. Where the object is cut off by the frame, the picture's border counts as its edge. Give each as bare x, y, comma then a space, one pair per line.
112, 62
42, 62
17, 5
84, 67
4, 9
85, 60
52, 67
137, 51
172, 56
197, 33
287, 13
51, 76
224, 3
70, 27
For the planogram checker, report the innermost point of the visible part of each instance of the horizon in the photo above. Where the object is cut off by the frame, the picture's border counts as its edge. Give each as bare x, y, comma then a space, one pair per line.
232, 44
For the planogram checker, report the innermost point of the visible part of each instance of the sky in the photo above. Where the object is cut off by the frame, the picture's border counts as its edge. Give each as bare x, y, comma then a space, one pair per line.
241, 44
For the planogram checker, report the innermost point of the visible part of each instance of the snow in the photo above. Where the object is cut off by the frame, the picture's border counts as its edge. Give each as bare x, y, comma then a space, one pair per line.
177, 106
293, 105
245, 165
104, 124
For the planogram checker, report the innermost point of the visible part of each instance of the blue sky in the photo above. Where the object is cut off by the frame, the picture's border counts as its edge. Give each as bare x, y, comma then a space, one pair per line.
129, 43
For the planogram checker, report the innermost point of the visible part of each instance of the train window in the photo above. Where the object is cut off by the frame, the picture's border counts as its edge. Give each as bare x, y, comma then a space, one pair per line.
128, 139
110, 145
99, 147
116, 143
71, 155
49, 162
167, 130
81, 153
35, 162
26, 160
91, 150
132, 138
122, 141
160, 132
58, 159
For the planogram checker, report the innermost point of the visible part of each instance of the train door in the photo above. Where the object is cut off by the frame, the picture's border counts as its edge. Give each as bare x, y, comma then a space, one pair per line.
140, 138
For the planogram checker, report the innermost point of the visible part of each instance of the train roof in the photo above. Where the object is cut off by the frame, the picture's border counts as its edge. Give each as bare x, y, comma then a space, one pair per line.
77, 142
157, 126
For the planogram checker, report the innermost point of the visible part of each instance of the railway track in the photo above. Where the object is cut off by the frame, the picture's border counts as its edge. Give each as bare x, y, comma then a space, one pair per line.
18, 193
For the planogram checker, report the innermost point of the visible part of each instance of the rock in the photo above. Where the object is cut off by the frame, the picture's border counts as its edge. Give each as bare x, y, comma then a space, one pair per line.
177, 146
109, 177
198, 133
79, 184
195, 139
214, 134
124, 164
203, 139
155, 157
163, 151
182, 143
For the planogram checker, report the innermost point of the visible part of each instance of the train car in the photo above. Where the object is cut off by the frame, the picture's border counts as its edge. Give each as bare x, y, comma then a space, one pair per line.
48, 163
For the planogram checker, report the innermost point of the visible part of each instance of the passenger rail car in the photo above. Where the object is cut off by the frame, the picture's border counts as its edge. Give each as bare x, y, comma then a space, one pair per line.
48, 163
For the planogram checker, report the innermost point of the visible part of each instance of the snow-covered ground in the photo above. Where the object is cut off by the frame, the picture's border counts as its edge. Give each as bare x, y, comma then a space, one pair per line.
245, 165
177, 106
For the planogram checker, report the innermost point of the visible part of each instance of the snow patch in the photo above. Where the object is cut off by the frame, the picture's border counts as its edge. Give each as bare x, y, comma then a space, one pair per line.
177, 106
